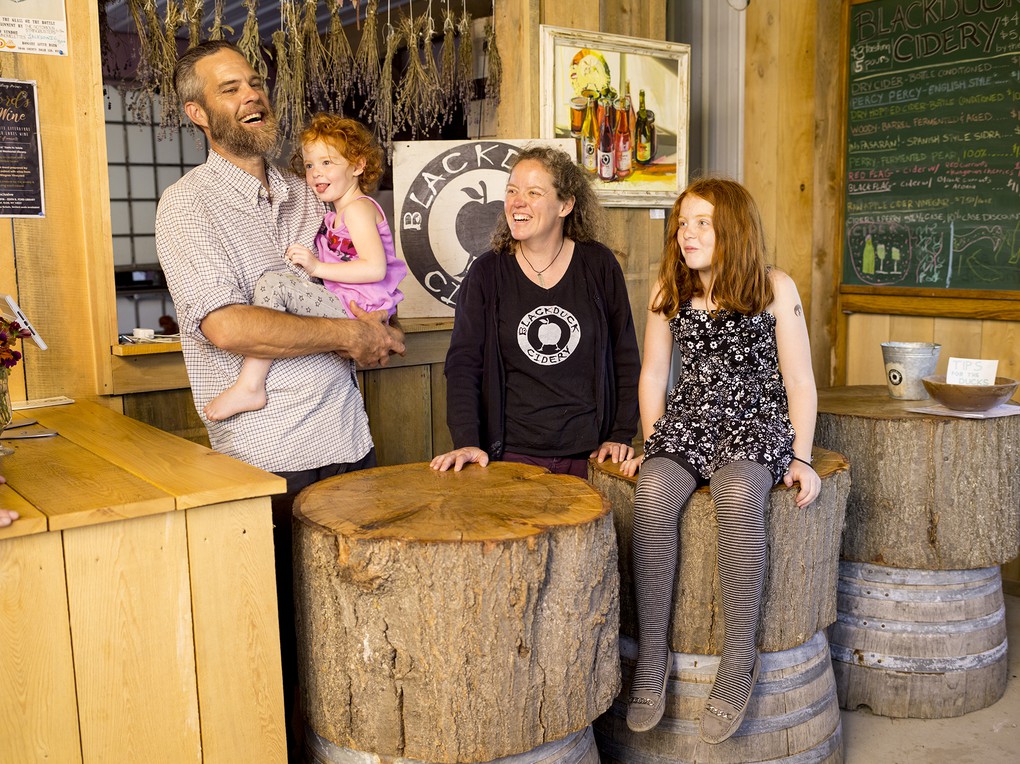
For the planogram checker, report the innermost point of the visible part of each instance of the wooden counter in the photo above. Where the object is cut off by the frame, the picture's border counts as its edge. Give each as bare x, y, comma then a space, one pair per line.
137, 598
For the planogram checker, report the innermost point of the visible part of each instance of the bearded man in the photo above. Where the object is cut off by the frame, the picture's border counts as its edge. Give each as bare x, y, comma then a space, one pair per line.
218, 230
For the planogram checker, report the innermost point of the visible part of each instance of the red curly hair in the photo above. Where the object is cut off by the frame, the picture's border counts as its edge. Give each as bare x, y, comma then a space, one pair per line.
351, 139
740, 279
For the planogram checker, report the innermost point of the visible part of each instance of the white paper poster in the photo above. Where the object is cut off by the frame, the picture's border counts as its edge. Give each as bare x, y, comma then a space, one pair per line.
33, 26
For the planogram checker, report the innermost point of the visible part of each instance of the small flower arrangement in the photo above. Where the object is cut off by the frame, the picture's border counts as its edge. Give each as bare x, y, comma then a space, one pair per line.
10, 332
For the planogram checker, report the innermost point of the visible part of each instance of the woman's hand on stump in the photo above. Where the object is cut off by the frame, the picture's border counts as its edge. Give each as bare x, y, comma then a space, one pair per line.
458, 458
618, 452
810, 483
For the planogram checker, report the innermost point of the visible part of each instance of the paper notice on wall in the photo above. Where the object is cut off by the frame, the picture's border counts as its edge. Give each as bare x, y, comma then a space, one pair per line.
33, 26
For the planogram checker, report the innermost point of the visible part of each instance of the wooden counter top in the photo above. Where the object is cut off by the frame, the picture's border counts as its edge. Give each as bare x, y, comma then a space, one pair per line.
103, 466
874, 402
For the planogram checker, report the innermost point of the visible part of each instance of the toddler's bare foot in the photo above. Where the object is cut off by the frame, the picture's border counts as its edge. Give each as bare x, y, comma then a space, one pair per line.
234, 400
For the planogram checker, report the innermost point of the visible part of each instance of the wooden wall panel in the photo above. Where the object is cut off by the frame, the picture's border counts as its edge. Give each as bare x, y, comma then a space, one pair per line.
399, 406
64, 262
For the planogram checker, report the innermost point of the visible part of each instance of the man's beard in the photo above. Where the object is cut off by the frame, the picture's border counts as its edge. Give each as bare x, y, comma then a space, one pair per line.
242, 141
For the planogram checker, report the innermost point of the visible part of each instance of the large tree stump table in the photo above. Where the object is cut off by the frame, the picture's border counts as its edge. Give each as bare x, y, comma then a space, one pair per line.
929, 492
454, 616
934, 508
793, 715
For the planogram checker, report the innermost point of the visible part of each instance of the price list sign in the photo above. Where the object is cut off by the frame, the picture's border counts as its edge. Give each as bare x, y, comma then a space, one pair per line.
933, 145
21, 171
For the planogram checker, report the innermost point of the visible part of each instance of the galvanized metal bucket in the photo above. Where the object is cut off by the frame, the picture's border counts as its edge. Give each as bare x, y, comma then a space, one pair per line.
906, 364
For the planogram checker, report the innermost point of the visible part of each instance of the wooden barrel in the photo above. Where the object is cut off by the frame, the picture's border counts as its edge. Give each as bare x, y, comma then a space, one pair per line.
454, 616
801, 563
918, 643
928, 492
792, 717
577, 748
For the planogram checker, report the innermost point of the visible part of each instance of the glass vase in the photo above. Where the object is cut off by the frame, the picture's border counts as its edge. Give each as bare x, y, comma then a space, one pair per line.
6, 412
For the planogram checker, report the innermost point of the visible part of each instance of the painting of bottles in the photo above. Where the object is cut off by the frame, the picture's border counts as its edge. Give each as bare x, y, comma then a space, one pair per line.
880, 253
624, 103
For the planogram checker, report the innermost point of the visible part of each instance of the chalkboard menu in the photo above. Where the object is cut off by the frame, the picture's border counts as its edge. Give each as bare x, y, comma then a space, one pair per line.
933, 145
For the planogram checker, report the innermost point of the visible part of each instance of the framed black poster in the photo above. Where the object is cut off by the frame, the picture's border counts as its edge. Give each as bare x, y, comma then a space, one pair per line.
933, 145
21, 172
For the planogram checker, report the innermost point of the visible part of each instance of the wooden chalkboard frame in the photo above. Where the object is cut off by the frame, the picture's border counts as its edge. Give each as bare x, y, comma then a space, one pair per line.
898, 300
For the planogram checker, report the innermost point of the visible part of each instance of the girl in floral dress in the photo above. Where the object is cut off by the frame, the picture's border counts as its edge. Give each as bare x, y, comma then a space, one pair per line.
739, 419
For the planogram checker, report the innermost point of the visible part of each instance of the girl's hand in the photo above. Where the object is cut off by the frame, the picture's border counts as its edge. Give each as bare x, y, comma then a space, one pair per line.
810, 483
618, 452
630, 466
303, 258
458, 458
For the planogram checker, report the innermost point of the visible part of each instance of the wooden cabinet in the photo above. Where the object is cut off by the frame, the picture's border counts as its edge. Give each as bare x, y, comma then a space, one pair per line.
137, 598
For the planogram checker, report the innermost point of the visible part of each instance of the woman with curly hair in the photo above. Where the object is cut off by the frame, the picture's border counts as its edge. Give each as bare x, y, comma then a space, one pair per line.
543, 362
355, 257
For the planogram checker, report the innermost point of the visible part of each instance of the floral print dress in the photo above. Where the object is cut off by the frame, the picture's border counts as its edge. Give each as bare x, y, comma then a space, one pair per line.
729, 402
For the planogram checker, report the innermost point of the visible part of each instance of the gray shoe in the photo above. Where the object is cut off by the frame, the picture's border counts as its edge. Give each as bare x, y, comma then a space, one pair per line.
719, 719
644, 711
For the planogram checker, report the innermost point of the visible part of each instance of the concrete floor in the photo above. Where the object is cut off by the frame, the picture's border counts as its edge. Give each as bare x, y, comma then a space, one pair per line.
988, 736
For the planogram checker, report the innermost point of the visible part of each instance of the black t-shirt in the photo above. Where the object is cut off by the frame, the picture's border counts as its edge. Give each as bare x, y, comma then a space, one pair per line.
547, 341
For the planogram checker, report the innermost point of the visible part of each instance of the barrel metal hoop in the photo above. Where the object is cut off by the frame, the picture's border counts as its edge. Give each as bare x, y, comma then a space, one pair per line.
911, 594
914, 576
884, 625
919, 665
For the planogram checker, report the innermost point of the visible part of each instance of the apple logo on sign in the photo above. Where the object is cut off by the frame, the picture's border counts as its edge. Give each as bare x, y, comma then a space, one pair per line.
475, 223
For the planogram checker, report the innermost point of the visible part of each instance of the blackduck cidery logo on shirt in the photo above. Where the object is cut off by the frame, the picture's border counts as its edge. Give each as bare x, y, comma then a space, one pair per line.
548, 335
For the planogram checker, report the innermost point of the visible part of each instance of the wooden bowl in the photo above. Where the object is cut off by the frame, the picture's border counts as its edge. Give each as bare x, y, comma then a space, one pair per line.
970, 397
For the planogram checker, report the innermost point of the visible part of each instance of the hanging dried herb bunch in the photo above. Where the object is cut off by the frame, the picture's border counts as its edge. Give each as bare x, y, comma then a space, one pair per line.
313, 53
193, 18
169, 113
494, 76
366, 61
250, 45
384, 126
417, 95
448, 73
465, 59
216, 30
339, 59
286, 110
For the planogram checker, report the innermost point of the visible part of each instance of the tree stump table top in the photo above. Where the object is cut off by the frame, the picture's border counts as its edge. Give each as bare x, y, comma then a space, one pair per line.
454, 616
929, 492
801, 569
501, 502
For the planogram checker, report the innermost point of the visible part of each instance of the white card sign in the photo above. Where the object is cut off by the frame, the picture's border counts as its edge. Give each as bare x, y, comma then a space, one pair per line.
971, 371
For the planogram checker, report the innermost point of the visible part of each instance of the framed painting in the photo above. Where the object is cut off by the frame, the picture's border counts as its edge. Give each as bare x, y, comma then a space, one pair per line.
625, 103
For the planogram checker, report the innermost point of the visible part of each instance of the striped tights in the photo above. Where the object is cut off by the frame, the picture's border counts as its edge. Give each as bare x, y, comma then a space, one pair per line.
739, 492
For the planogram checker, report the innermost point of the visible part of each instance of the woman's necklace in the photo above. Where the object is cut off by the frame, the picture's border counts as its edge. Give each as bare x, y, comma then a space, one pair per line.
541, 281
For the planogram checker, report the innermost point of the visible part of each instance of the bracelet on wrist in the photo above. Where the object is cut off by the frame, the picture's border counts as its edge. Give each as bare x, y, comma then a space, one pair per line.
802, 461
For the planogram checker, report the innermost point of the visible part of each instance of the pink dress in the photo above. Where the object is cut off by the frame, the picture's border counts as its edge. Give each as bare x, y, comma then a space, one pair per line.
335, 246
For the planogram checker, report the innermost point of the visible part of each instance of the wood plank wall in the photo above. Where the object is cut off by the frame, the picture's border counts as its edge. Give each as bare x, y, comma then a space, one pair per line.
60, 267
634, 235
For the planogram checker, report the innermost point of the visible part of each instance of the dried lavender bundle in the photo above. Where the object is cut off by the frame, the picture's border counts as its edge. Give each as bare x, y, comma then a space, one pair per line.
313, 53
427, 29
143, 12
339, 60
494, 77
283, 91
297, 92
465, 60
250, 44
169, 112
384, 126
366, 61
417, 94
450, 93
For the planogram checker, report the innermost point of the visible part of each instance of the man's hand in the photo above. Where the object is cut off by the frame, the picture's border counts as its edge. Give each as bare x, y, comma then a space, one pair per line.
377, 340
